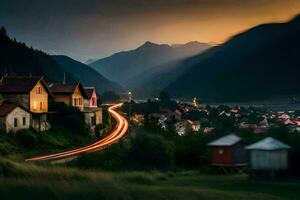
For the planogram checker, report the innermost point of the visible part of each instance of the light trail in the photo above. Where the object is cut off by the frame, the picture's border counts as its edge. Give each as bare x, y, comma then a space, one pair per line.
118, 132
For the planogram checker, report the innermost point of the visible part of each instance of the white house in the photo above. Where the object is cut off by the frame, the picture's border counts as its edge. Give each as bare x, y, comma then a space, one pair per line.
13, 117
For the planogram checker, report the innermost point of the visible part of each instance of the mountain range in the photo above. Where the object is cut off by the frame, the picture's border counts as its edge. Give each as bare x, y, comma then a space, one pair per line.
130, 67
260, 63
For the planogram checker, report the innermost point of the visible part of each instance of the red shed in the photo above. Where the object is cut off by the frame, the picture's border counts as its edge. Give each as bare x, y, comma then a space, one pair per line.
228, 151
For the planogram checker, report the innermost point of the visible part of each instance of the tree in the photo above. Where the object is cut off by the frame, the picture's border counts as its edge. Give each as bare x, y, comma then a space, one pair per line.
3, 32
72, 118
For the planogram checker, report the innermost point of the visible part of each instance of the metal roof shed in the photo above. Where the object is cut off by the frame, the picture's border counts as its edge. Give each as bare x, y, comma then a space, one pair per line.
268, 154
228, 151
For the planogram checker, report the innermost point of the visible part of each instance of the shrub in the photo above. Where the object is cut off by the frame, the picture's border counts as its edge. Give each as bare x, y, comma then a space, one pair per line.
70, 117
152, 151
27, 138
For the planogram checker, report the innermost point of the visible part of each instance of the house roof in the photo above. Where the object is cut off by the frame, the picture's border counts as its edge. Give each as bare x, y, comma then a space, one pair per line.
227, 140
7, 107
268, 143
20, 84
89, 91
59, 88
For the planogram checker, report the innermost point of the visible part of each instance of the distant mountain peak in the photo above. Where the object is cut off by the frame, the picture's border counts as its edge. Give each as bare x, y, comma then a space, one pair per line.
149, 44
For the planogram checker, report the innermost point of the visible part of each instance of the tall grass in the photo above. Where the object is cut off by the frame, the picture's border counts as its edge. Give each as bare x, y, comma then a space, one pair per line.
22, 180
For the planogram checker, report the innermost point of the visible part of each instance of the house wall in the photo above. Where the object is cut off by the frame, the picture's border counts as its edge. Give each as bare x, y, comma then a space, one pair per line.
221, 155
18, 114
88, 118
89, 102
77, 95
21, 99
269, 160
39, 99
99, 117
63, 98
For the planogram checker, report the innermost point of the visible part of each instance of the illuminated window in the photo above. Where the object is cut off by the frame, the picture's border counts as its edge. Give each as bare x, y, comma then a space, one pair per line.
34, 105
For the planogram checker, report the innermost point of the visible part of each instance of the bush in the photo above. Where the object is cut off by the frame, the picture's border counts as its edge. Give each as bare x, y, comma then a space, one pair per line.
191, 151
152, 151
112, 158
70, 117
27, 138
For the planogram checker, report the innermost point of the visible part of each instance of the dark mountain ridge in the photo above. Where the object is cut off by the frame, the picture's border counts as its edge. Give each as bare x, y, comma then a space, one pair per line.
16, 59
259, 63
87, 75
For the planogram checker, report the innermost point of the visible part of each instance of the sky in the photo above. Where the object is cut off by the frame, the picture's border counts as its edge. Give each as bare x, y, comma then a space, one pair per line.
84, 29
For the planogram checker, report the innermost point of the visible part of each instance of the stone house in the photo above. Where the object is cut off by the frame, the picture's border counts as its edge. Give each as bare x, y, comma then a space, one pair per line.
32, 94
13, 117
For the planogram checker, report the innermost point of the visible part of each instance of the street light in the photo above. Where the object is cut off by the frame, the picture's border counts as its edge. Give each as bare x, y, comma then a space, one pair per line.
129, 109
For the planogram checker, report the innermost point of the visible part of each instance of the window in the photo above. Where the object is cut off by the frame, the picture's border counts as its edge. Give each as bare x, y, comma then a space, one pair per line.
34, 105
93, 101
15, 122
39, 90
93, 121
24, 121
41, 105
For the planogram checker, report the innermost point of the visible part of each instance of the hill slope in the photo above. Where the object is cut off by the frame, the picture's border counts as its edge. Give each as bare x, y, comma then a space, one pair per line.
18, 59
260, 63
123, 67
86, 74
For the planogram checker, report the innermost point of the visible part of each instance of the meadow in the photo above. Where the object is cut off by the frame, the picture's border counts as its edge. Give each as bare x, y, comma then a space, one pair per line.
22, 180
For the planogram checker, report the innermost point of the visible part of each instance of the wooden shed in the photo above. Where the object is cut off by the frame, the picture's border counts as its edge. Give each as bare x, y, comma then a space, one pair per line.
228, 151
268, 154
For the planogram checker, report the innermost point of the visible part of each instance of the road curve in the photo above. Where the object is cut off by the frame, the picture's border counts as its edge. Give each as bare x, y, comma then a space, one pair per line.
118, 132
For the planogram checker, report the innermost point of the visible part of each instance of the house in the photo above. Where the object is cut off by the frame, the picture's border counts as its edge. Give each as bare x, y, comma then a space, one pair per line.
208, 129
70, 94
180, 128
228, 151
162, 122
194, 125
185, 126
13, 117
177, 114
91, 99
268, 154
32, 94
92, 113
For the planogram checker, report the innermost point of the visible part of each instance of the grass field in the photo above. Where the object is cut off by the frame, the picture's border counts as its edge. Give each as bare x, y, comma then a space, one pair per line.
20, 180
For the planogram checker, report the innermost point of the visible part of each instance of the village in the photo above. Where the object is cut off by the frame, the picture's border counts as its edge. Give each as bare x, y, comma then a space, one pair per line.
242, 138
26, 103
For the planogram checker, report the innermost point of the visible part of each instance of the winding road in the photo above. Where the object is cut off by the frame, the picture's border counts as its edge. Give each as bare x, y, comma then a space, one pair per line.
118, 132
